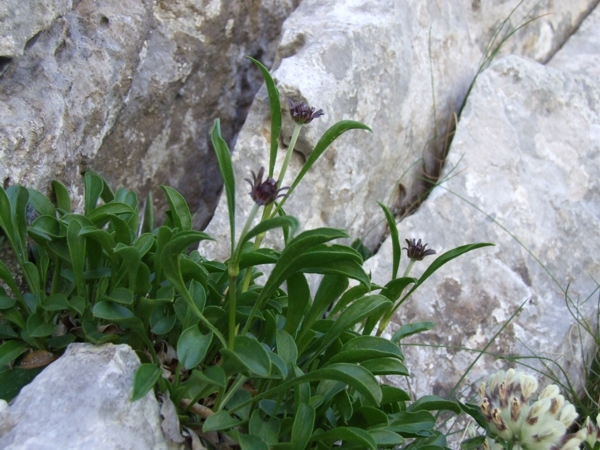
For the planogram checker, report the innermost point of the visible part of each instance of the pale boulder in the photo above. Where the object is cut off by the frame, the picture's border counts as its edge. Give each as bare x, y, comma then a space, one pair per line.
522, 173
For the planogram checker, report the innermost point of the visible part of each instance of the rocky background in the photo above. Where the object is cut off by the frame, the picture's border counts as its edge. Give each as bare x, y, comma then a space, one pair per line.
130, 89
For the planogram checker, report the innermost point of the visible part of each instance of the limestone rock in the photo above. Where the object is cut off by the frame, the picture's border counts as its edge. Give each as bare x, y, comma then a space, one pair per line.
130, 89
581, 53
400, 67
82, 401
20, 21
522, 173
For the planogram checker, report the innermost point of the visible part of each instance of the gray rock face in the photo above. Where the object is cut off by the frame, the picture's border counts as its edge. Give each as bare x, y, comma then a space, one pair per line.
581, 54
82, 401
21, 21
130, 88
523, 173
400, 67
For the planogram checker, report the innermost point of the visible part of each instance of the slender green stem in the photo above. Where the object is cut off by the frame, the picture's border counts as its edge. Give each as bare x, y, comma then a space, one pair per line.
232, 310
288, 155
386, 320
257, 242
247, 226
240, 380
234, 270
409, 267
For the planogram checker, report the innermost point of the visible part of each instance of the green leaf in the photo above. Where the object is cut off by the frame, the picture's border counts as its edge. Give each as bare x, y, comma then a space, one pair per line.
111, 311
19, 197
396, 249
367, 417
349, 296
473, 443
275, 107
347, 434
61, 193
219, 421
122, 233
410, 329
170, 257
269, 224
224, 160
6, 302
40, 203
104, 238
385, 366
411, 423
144, 243
393, 290
286, 265
101, 215
363, 348
78, 304
131, 262
393, 394
7, 277
6, 222
46, 228
434, 403
77, 254
357, 377
120, 295
249, 353
359, 310
250, 442
192, 347
328, 137
13, 380
93, 188
180, 212
162, 324
14, 316
144, 379
60, 342
298, 299
10, 350
386, 438
149, 222
330, 288
260, 256
36, 327
364, 251
303, 426
286, 347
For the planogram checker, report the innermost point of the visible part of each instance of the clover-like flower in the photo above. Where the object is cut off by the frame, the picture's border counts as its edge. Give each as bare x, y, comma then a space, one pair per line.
302, 113
508, 407
417, 251
264, 192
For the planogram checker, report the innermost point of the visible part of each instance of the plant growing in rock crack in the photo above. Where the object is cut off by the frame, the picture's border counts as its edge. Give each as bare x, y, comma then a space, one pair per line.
256, 364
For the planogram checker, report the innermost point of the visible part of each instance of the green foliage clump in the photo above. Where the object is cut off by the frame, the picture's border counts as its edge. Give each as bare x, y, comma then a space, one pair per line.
268, 367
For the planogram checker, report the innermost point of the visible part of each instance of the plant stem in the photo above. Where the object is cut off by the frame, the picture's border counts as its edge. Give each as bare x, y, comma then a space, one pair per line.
288, 155
257, 242
232, 310
386, 320
234, 387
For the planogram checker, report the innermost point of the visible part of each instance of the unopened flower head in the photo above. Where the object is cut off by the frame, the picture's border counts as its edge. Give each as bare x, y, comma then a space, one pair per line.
302, 113
532, 424
264, 192
417, 251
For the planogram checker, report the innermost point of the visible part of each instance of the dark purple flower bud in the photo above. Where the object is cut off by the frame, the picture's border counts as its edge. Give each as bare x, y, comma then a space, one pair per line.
264, 192
417, 251
302, 113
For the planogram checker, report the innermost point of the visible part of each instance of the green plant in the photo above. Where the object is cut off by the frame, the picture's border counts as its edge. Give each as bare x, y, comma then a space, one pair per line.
262, 364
